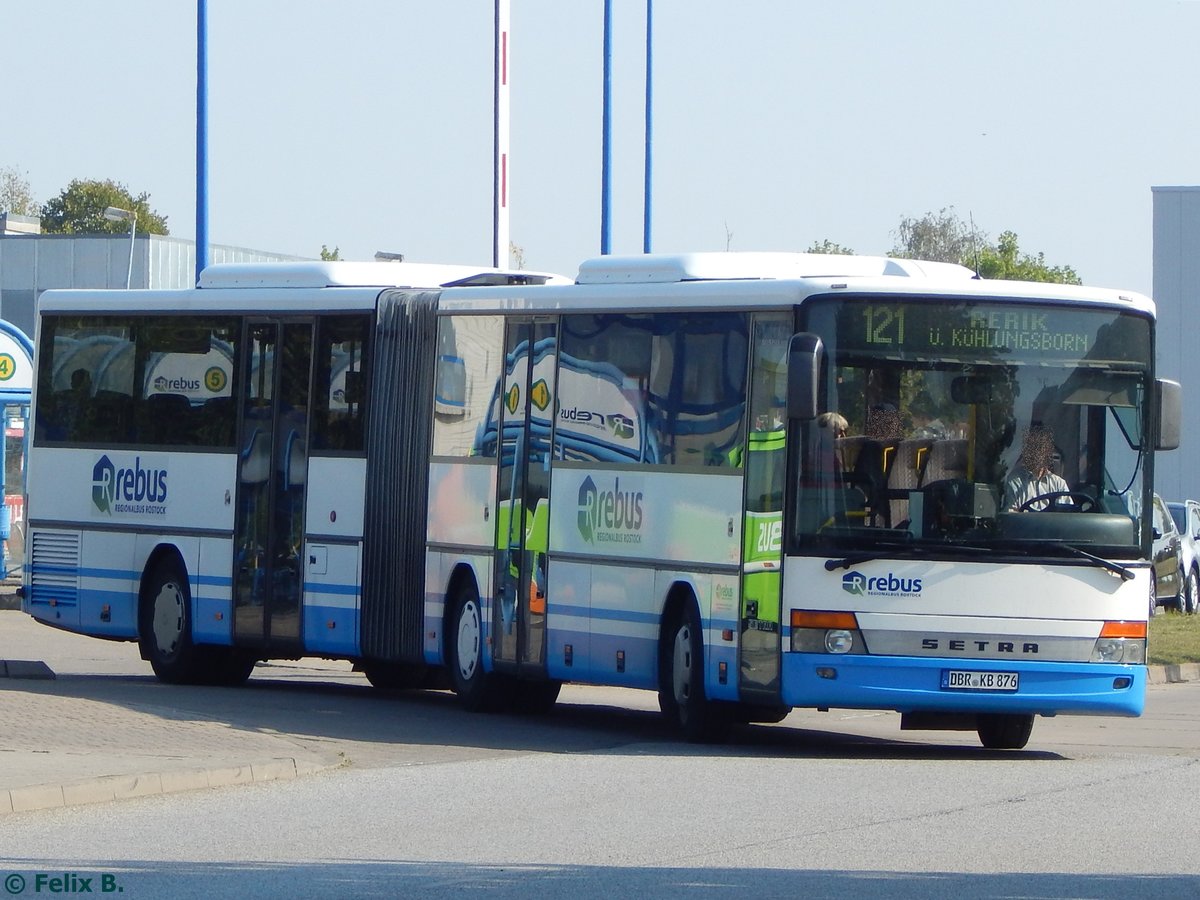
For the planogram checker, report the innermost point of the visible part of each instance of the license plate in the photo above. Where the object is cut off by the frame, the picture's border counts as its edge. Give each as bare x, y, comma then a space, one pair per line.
959, 680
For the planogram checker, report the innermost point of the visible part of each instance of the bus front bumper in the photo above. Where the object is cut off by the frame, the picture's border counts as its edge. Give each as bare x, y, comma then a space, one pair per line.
907, 684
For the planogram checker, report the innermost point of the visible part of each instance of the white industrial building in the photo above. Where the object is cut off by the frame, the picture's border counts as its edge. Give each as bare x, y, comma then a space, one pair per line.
31, 262
1176, 291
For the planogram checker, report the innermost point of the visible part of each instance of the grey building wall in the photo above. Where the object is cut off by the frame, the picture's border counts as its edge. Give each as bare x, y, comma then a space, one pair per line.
1176, 293
30, 264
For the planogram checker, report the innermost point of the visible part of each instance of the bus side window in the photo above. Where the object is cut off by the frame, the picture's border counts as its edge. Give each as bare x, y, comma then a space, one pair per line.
218, 418
167, 419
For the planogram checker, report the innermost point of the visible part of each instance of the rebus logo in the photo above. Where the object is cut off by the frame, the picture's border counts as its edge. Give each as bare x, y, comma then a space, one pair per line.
890, 585
128, 489
180, 385
610, 516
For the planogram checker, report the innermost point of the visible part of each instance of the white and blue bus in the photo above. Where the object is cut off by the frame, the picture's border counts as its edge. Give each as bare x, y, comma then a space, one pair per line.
749, 482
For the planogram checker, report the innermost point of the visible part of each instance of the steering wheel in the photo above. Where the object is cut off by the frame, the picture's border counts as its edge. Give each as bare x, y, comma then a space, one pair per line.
1080, 502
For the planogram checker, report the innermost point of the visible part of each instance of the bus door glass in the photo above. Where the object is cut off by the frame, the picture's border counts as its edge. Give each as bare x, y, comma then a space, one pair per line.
763, 464
523, 487
272, 475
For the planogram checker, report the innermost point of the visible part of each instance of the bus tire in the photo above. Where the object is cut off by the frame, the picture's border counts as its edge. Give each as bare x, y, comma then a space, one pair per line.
477, 690
681, 694
535, 698
165, 625
390, 676
226, 667
1004, 731
760, 715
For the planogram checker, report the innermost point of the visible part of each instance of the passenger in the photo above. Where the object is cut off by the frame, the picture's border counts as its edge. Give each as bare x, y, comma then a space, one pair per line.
1033, 476
831, 427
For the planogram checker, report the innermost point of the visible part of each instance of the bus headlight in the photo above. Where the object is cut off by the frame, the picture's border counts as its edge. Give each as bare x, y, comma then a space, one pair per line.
817, 631
1119, 650
839, 640
1121, 642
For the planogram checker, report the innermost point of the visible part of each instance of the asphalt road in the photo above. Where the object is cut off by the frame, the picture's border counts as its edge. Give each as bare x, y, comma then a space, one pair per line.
598, 799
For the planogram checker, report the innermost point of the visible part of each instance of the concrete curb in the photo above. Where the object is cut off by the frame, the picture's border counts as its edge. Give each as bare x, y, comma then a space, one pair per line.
123, 787
1174, 674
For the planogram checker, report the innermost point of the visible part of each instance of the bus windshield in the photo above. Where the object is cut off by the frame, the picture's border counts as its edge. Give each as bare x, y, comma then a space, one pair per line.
1000, 424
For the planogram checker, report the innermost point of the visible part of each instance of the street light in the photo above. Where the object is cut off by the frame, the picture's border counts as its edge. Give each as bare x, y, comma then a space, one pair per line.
116, 214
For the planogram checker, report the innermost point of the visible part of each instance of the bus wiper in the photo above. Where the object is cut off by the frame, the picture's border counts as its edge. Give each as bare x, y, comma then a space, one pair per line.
1116, 568
882, 546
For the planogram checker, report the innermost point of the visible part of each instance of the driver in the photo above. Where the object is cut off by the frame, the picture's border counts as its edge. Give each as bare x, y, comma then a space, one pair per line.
1032, 477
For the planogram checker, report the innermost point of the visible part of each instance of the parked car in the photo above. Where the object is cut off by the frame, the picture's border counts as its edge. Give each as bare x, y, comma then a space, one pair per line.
1187, 519
1168, 564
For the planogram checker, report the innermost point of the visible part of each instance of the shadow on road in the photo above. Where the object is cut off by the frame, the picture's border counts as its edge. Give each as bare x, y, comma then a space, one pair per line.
327, 711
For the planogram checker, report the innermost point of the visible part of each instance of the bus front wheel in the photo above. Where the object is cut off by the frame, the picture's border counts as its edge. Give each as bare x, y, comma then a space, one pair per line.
1000, 731
681, 686
165, 626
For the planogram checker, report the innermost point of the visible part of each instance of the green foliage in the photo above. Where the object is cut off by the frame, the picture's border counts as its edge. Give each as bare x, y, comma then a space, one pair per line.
1005, 261
828, 246
944, 237
938, 237
328, 255
79, 209
15, 194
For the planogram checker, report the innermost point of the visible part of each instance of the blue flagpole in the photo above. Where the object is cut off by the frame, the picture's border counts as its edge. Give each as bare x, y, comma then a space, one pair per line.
201, 137
649, 124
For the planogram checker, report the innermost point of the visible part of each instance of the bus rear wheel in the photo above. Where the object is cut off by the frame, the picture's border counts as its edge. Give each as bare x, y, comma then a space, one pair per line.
477, 690
165, 626
1004, 731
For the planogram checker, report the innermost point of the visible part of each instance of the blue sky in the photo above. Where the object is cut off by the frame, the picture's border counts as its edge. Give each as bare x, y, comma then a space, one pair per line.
366, 124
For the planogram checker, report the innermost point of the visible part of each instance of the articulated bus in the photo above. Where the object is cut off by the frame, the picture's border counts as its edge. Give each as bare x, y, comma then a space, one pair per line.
749, 482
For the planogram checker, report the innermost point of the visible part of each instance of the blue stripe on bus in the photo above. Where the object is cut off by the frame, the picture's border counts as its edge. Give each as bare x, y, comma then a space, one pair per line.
121, 574
319, 587
631, 616
611, 615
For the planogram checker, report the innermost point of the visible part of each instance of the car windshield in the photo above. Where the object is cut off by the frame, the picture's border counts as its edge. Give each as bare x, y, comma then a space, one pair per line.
1001, 424
1179, 514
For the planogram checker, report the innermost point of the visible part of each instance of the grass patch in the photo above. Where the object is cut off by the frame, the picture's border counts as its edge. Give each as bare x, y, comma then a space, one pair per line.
1174, 639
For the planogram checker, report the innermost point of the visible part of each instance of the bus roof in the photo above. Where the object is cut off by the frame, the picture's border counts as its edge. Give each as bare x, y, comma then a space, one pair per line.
316, 274
663, 268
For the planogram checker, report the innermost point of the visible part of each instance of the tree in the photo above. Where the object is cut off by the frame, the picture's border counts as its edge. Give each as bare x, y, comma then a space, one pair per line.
944, 237
15, 194
938, 237
1005, 261
79, 209
828, 246
328, 255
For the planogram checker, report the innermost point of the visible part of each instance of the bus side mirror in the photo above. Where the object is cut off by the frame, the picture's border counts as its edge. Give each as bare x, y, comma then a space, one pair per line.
1170, 414
806, 356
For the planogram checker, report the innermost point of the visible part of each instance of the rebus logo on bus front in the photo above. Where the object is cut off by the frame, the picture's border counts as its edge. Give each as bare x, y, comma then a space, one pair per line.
888, 585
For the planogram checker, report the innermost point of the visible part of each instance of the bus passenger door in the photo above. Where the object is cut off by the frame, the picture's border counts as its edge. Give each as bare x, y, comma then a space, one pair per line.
763, 465
523, 495
272, 476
